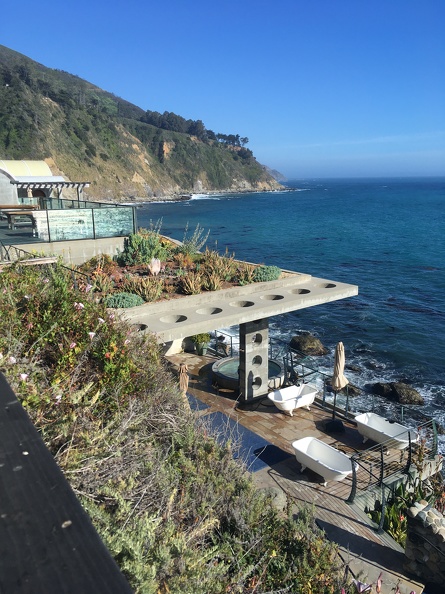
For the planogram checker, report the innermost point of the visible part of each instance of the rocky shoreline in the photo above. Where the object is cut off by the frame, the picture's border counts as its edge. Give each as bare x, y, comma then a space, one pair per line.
139, 200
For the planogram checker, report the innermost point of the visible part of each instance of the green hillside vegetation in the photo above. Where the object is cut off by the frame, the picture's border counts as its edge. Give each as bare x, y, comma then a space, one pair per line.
177, 512
88, 134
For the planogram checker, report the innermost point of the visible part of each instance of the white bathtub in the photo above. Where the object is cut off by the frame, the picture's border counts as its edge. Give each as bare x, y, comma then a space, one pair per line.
380, 430
322, 458
288, 399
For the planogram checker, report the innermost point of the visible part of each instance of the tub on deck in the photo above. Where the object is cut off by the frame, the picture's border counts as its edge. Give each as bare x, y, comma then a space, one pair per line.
322, 458
288, 399
373, 426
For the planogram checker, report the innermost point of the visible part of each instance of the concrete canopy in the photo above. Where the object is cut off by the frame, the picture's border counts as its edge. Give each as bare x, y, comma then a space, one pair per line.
179, 318
248, 306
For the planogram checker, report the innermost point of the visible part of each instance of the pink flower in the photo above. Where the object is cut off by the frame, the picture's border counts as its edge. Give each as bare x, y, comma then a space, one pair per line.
12, 360
101, 320
91, 335
58, 398
46, 280
23, 377
78, 306
73, 345
111, 316
88, 288
29, 326
126, 341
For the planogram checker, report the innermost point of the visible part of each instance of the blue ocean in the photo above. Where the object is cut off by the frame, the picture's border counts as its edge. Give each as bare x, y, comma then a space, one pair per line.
385, 235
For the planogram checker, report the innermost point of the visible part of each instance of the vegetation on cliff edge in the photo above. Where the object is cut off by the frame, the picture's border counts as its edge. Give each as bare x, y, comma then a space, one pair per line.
177, 512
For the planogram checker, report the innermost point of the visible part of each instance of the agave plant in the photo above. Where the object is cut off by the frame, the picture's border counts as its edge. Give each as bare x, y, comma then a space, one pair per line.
191, 284
245, 273
212, 282
150, 289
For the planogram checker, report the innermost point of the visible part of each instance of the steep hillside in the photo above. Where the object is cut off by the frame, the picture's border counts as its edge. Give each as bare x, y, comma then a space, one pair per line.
85, 133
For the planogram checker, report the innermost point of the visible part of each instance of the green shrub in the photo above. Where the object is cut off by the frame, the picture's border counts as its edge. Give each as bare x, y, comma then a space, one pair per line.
203, 338
140, 248
263, 274
119, 300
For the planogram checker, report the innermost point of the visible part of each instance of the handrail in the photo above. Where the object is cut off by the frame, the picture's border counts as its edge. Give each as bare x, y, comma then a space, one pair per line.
30, 255
62, 529
373, 463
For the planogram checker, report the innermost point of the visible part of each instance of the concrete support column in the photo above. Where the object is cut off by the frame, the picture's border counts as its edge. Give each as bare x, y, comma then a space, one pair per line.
254, 359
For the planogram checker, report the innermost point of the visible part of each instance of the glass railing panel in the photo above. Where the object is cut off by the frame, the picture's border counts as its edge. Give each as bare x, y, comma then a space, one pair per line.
115, 222
57, 225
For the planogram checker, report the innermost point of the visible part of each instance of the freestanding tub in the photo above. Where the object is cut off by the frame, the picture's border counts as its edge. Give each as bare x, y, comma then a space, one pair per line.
322, 458
288, 399
380, 430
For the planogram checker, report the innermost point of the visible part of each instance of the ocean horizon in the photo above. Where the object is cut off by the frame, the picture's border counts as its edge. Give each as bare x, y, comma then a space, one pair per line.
385, 235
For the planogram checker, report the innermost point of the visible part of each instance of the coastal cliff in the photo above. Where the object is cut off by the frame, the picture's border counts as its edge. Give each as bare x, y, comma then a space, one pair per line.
87, 134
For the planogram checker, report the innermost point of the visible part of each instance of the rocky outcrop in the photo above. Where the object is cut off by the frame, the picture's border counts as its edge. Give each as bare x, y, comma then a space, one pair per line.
398, 391
425, 545
308, 345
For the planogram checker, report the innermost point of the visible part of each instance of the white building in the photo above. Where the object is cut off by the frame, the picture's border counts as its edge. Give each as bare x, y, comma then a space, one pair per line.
25, 182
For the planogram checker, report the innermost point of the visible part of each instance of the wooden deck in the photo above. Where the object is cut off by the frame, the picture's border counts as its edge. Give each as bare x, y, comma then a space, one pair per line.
366, 552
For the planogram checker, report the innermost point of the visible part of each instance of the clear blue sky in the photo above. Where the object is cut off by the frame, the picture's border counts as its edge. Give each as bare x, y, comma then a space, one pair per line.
321, 88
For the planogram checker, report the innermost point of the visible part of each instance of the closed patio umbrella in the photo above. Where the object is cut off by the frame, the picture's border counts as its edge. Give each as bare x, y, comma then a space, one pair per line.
338, 382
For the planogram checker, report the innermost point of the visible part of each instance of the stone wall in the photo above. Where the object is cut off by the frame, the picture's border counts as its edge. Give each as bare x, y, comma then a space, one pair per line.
425, 545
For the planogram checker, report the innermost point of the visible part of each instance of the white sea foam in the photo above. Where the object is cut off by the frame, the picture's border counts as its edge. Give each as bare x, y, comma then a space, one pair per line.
206, 196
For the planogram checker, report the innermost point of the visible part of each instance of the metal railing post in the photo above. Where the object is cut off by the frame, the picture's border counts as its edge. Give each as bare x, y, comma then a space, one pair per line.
434, 448
381, 466
353, 492
382, 516
410, 454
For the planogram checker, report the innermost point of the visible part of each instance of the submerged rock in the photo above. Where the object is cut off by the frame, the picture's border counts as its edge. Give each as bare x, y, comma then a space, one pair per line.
398, 391
308, 344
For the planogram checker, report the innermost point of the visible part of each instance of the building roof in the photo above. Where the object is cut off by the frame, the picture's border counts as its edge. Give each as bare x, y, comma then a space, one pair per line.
35, 174
26, 168
41, 179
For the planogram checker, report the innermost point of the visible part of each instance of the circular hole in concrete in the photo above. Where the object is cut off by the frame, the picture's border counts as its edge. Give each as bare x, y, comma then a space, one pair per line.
300, 291
257, 361
256, 383
209, 311
257, 338
242, 303
272, 297
174, 319
328, 286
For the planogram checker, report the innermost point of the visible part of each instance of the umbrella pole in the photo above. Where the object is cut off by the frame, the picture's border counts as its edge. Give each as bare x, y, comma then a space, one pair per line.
334, 425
